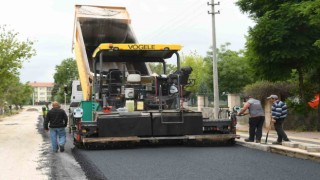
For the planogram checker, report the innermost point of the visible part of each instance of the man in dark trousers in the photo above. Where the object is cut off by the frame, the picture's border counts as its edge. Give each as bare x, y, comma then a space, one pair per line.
57, 120
279, 113
256, 118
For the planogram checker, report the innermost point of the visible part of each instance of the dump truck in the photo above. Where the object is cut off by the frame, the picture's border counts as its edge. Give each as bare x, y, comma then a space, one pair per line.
124, 102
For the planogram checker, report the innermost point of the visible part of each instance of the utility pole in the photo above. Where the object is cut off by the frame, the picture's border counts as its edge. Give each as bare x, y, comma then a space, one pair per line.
214, 59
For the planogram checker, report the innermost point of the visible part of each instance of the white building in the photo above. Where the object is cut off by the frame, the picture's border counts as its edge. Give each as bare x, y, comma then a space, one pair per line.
41, 92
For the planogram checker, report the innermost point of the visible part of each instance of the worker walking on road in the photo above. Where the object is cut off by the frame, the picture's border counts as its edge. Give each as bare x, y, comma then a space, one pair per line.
57, 120
45, 110
256, 119
279, 113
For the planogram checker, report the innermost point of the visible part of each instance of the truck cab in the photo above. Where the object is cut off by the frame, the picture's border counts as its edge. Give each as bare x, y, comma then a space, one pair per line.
75, 100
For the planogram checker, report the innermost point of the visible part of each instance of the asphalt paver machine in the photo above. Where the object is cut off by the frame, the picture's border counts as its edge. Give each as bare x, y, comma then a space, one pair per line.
124, 102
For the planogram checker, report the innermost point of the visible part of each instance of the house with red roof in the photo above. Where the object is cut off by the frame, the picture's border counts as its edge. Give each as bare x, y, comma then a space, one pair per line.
41, 92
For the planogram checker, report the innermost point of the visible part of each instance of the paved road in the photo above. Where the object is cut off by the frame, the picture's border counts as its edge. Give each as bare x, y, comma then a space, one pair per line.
25, 154
196, 163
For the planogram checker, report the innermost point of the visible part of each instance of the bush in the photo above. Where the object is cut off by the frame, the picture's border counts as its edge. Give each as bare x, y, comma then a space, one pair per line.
262, 89
301, 117
299, 122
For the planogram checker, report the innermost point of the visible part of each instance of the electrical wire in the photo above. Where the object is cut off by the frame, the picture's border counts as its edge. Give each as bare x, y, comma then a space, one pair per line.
178, 20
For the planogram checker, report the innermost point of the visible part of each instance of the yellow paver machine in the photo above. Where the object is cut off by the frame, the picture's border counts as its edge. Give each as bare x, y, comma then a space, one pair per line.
124, 102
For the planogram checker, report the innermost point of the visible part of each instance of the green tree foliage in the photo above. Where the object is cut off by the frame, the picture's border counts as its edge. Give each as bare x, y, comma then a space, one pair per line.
262, 89
311, 9
234, 72
258, 8
13, 53
18, 93
284, 38
65, 73
199, 71
158, 68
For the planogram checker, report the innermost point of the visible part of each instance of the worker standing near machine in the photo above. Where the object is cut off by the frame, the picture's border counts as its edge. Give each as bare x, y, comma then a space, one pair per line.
256, 119
279, 113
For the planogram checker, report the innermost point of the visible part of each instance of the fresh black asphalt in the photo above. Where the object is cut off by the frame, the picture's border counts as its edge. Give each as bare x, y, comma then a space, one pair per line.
174, 162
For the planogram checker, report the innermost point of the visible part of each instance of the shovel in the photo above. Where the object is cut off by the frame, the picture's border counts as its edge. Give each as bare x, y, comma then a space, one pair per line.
268, 131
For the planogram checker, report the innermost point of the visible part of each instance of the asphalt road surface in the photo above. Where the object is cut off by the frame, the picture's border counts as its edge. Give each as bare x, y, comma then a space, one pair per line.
194, 163
25, 153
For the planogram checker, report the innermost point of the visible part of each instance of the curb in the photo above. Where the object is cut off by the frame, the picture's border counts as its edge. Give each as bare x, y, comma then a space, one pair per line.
296, 153
254, 145
279, 149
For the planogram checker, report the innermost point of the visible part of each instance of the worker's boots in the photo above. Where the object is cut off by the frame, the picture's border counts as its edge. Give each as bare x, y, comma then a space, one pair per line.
61, 148
248, 140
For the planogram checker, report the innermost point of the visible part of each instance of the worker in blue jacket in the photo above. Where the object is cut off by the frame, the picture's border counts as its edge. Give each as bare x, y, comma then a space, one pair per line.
279, 112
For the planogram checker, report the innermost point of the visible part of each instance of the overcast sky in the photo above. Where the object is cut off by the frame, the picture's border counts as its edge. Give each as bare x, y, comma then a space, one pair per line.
185, 22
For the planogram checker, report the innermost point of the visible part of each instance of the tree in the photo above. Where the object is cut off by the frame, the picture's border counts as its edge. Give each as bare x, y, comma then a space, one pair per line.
234, 72
258, 8
65, 73
13, 53
158, 68
6, 82
18, 93
311, 10
199, 70
262, 89
284, 39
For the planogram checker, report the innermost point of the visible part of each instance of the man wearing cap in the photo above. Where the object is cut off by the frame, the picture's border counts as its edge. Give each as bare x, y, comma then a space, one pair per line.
57, 120
279, 113
256, 119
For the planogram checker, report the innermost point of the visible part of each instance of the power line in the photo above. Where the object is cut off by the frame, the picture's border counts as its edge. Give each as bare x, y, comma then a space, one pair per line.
177, 20
187, 20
